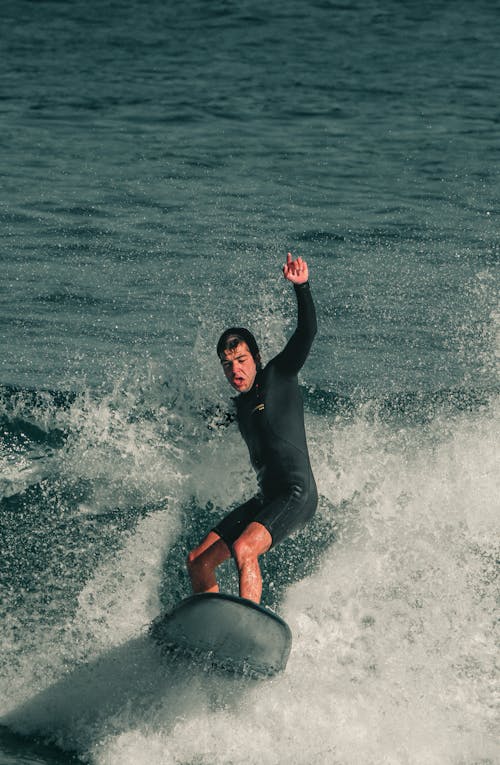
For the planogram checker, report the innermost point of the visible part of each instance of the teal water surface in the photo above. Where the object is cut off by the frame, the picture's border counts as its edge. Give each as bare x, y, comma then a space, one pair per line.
159, 159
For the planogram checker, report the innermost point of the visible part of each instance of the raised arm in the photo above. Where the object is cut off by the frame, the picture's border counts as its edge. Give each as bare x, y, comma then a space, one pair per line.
292, 357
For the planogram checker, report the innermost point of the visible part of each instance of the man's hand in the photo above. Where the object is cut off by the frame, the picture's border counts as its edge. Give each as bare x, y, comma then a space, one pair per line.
295, 270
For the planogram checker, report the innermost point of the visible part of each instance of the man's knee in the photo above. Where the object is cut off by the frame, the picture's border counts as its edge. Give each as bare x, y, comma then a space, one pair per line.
196, 566
243, 551
198, 558
254, 541
210, 556
191, 560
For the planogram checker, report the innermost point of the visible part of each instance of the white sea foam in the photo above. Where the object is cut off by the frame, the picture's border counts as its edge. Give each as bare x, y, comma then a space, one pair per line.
393, 658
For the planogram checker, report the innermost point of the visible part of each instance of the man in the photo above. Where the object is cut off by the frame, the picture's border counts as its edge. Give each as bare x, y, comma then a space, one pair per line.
271, 421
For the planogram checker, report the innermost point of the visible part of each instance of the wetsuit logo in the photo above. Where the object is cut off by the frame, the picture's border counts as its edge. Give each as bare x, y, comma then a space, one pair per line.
258, 408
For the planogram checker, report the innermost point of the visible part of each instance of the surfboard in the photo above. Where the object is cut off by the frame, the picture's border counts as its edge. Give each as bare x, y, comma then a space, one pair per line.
226, 632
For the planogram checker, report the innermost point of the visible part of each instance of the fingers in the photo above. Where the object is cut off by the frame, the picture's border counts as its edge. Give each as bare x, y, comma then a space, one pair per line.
295, 270
288, 265
294, 266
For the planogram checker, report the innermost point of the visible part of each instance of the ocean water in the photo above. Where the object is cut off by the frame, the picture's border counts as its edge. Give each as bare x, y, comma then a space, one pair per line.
158, 161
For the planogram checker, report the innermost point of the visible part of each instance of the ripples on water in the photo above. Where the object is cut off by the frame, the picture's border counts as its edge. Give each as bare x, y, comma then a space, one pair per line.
159, 159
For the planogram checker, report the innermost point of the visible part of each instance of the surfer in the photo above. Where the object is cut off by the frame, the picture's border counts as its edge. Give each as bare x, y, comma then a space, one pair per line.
271, 420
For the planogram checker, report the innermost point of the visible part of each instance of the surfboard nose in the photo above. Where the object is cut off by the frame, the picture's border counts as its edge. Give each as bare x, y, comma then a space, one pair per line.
228, 632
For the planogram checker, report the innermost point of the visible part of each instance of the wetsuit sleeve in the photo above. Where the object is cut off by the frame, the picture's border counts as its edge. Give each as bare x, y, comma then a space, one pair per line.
292, 357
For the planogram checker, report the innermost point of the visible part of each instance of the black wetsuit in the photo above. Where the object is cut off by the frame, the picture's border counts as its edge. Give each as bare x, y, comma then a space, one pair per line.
271, 420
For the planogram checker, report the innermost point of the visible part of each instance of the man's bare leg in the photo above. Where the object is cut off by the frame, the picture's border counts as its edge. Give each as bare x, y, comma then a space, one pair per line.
203, 561
254, 541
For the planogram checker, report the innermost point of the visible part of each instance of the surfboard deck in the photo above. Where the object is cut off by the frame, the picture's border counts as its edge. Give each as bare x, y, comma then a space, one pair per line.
226, 632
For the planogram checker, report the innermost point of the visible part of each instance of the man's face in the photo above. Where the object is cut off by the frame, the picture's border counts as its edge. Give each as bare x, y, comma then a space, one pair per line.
239, 367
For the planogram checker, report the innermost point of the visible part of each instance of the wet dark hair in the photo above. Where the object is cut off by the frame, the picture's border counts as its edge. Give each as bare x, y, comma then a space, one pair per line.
233, 336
